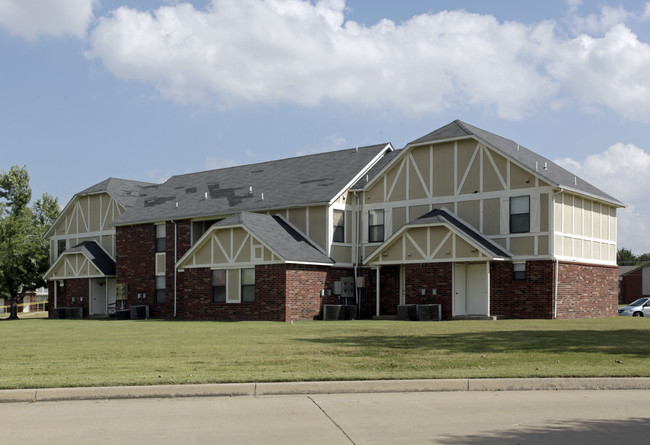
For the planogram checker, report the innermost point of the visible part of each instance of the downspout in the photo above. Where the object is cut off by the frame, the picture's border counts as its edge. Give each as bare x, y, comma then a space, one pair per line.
356, 254
557, 279
175, 260
557, 262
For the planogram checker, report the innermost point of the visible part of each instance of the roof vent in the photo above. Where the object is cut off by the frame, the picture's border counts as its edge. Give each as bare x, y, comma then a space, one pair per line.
575, 180
517, 147
262, 196
205, 196
536, 166
176, 204
545, 165
250, 190
357, 149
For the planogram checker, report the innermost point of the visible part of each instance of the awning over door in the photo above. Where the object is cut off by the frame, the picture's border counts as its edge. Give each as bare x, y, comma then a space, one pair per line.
85, 260
438, 236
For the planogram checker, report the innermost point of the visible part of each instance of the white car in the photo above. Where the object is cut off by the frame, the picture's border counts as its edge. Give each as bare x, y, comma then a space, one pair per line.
638, 308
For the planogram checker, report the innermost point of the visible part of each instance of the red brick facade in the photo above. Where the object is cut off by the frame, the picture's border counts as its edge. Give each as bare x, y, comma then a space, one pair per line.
587, 291
285, 292
74, 293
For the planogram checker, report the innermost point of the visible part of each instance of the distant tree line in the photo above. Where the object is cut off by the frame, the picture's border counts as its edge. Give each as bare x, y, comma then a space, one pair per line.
625, 257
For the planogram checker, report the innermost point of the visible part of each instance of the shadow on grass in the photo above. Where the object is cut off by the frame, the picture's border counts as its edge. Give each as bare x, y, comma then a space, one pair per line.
636, 430
630, 342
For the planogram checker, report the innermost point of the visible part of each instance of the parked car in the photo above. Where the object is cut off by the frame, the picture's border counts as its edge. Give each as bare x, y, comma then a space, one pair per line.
638, 308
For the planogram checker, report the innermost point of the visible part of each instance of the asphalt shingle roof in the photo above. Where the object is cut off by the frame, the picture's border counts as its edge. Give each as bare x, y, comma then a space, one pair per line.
297, 181
279, 235
123, 190
97, 255
443, 216
553, 173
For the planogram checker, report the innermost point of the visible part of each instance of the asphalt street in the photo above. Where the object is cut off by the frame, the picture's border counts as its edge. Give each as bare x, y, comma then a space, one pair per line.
458, 417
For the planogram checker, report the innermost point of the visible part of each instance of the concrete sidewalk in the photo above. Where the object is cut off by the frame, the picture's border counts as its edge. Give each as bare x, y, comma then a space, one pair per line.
334, 387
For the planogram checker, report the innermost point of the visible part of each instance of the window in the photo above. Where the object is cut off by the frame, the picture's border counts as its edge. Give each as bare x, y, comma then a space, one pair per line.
248, 285
60, 247
200, 227
161, 234
338, 217
375, 226
160, 290
519, 271
520, 214
219, 286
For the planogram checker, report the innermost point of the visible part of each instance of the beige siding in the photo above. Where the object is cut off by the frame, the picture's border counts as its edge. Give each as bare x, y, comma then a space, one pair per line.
318, 225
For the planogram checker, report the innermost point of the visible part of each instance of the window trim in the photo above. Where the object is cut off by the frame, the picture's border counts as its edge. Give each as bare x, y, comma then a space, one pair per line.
243, 286
225, 286
161, 238
519, 217
518, 275
160, 300
371, 232
338, 229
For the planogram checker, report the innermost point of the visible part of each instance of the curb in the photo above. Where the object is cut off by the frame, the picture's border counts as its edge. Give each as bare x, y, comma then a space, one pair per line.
334, 387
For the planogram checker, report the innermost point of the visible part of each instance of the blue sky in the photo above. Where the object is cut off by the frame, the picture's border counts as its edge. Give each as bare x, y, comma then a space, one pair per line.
144, 90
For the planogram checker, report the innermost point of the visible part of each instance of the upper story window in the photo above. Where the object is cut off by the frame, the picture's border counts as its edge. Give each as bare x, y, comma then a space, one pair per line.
520, 214
60, 247
338, 218
375, 226
161, 235
200, 227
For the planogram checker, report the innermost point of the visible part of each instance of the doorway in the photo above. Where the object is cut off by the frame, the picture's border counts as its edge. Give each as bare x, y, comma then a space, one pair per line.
471, 289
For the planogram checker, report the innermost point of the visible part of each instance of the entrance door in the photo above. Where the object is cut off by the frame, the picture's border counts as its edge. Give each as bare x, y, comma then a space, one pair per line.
470, 289
477, 302
98, 296
460, 287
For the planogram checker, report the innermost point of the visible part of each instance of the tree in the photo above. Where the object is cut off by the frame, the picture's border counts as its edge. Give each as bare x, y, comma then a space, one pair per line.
625, 257
24, 253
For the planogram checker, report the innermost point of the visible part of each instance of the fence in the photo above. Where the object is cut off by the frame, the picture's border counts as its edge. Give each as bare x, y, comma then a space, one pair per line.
34, 306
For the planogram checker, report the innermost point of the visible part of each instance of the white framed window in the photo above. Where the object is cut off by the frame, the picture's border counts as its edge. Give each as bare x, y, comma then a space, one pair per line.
376, 226
161, 296
219, 286
338, 222
519, 271
520, 214
161, 238
247, 285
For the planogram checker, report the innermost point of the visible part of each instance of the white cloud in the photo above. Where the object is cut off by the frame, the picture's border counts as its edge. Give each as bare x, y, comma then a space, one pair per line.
599, 23
34, 18
610, 71
645, 16
623, 172
307, 53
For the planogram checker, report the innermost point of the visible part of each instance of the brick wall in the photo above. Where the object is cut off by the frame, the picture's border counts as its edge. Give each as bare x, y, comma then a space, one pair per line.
429, 276
529, 298
587, 291
77, 288
270, 283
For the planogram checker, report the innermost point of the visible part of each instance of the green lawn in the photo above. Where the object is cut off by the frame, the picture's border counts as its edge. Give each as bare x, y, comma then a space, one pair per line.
61, 353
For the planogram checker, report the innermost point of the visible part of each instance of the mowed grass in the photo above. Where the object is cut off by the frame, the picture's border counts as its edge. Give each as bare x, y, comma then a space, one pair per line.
63, 353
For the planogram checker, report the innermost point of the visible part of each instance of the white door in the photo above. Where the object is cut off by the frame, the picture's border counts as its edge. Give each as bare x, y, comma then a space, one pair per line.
470, 289
98, 296
477, 303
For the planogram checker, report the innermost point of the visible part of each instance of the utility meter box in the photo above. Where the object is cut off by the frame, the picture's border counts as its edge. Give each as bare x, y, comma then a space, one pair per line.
347, 287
